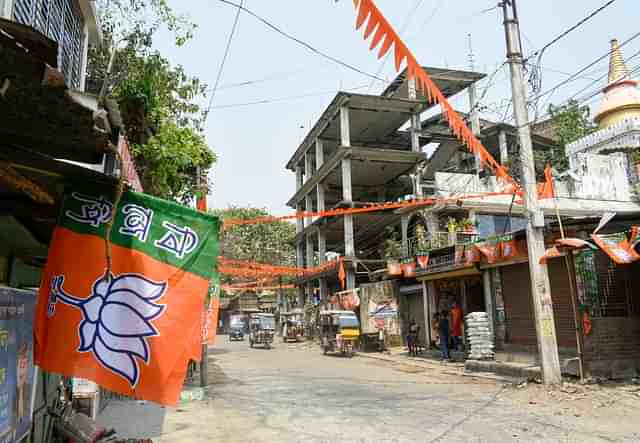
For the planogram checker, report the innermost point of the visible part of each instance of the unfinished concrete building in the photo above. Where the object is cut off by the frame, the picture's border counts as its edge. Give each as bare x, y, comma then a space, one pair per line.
362, 149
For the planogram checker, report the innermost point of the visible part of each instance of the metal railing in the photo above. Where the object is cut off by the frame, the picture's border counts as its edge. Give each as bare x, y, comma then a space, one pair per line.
438, 240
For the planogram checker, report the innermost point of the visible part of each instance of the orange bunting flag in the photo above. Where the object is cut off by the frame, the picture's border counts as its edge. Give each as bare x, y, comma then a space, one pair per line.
423, 261
508, 248
342, 275
368, 12
131, 328
489, 250
409, 268
545, 190
617, 247
471, 254
552, 252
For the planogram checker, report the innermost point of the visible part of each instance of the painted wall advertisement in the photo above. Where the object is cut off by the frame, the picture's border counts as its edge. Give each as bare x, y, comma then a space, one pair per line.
17, 374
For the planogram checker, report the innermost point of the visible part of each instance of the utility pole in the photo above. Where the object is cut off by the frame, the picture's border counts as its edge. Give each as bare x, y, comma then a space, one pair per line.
474, 115
540, 287
204, 358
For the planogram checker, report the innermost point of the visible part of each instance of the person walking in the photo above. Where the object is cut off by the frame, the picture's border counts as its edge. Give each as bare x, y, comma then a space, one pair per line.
412, 339
444, 333
456, 326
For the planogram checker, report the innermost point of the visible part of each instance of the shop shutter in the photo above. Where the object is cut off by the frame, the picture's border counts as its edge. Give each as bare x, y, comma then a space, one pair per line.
516, 292
516, 286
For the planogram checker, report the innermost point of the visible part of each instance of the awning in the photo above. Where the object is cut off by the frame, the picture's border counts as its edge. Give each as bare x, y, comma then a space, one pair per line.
460, 272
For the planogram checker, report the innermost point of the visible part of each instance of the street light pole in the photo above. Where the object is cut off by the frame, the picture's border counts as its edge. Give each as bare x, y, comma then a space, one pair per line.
540, 287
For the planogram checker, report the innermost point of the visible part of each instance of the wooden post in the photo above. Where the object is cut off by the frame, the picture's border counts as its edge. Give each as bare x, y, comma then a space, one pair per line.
540, 287
573, 286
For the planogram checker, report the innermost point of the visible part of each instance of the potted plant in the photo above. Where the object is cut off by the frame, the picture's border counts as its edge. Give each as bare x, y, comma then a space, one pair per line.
467, 225
409, 267
452, 225
392, 252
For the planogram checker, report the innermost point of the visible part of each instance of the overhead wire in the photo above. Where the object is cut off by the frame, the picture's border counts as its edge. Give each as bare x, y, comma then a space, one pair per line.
582, 70
224, 60
300, 42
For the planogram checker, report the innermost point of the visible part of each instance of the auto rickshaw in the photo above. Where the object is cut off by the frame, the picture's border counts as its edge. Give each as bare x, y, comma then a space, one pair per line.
261, 329
292, 325
339, 332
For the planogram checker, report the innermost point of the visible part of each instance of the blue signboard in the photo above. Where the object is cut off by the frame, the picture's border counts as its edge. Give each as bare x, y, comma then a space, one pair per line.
17, 371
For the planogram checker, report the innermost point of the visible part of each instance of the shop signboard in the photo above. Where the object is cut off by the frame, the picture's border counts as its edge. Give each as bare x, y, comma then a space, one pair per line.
17, 373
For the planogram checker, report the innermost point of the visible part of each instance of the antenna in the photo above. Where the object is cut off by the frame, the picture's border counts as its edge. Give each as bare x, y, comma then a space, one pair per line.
471, 56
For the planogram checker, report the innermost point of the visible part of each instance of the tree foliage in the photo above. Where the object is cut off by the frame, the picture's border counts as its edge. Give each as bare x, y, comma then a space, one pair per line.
158, 101
571, 122
270, 243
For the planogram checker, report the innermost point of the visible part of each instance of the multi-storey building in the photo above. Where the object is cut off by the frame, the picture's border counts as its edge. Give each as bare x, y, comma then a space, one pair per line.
363, 149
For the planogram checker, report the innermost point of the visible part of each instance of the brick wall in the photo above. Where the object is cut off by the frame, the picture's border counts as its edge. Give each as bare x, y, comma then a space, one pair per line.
613, 347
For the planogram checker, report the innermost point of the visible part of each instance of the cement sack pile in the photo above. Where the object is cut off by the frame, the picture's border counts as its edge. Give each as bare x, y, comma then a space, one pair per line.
479, 336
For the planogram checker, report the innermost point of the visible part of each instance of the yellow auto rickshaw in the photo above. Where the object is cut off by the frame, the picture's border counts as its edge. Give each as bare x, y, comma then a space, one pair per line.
339, 332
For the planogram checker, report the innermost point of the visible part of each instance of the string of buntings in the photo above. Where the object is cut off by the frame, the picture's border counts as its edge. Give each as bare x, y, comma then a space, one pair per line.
384, 33
373, 207
243, 268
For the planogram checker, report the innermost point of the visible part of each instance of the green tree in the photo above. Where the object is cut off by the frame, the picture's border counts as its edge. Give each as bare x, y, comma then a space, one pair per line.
571, 122
158, 101
270, 243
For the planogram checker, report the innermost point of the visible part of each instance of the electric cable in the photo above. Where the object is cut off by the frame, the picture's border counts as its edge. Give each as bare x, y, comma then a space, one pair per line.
299, 41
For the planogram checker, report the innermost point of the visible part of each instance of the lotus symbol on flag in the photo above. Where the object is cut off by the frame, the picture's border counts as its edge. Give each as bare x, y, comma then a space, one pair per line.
117, 320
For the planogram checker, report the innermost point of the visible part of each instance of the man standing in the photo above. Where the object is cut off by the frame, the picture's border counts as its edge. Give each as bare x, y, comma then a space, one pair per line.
443, 332
456, 325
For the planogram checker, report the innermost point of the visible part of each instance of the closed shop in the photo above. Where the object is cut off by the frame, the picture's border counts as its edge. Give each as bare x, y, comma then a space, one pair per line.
516, 286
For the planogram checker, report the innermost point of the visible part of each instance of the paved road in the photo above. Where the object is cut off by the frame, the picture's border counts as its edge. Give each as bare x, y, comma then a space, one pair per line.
292, 393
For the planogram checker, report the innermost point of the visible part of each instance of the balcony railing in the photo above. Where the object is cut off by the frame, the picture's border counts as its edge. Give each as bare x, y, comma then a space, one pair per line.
438, 240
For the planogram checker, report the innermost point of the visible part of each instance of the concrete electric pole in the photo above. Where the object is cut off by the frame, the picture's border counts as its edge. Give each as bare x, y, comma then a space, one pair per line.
540, 287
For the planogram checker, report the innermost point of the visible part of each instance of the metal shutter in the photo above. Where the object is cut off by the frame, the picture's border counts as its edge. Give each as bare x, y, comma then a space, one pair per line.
516, 286
562, 305
516, 291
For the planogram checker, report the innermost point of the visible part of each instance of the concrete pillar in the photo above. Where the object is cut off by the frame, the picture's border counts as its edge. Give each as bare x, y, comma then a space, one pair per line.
310, 251
347, 193
308, 204
345, 130
404, 225
489, 302
299, 177
504, 147
433, 308
300, 255
308, 165
322, 246
426, 307
299, 220
319, 153
324, 290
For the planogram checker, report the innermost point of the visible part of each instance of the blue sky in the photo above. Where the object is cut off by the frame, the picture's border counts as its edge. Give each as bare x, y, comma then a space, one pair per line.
253, 142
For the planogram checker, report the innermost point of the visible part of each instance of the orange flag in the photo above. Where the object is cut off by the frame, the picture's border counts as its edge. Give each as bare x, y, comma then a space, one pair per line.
342, 275
131, 330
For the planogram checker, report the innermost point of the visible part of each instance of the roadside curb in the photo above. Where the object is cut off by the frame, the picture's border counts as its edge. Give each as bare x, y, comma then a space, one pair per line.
413, 362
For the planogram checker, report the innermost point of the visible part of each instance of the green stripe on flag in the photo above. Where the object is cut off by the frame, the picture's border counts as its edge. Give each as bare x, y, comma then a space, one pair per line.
166, 231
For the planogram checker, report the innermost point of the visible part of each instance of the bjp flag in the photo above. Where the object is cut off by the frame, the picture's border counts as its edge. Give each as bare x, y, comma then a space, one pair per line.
130, 330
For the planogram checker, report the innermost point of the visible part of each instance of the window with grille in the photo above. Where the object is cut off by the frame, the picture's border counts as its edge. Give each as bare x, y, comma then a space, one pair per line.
61, 21
608, 289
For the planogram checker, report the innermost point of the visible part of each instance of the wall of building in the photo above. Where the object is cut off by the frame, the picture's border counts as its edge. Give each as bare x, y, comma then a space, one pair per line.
613, 347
